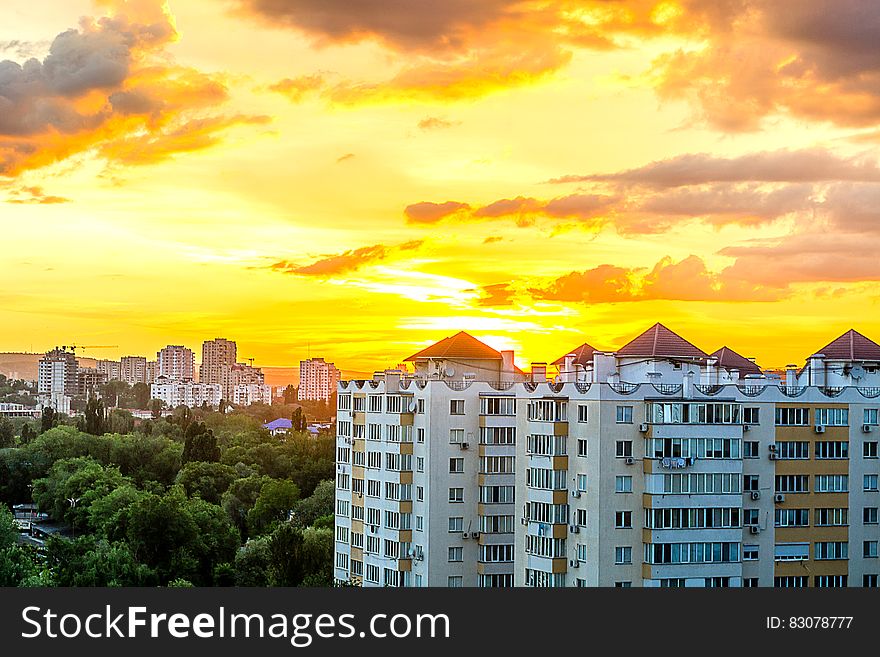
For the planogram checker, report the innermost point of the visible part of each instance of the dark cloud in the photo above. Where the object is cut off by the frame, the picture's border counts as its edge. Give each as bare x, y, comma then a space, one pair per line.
347, 261
810, 165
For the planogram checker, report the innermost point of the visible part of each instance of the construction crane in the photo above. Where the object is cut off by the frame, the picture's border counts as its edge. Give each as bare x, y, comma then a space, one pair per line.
74, 347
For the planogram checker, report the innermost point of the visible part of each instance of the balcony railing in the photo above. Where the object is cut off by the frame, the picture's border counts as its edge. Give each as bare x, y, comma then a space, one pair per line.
710, 390
624, 388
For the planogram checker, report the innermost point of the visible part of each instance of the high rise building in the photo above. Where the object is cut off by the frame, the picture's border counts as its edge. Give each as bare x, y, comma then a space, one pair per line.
317, 379
133, 369
218, 359
57, 373
177, 363
179, 393
109, 368
655, 465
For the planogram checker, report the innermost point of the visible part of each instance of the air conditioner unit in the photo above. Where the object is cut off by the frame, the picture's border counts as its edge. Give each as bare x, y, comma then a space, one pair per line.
772, 447
779, 497
463, 445
820, 428
573, 563
374, 528
629, 460
756, 495
475, 534
772, 456
525, 521
747, 427
643, 427
754, 529
574, 529
866, 428
575, 493
465, 535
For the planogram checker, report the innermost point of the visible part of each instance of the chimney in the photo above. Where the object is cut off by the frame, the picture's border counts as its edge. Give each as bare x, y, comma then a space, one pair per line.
790, 375
508, 369
568, 368
817, 370
539, 372
579, 373
711, 373
687, 384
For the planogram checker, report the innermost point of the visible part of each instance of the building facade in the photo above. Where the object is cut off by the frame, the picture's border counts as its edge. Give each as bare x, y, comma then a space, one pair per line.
317, 379
218, 359
176, 393
246, 394
657, 465
177, 363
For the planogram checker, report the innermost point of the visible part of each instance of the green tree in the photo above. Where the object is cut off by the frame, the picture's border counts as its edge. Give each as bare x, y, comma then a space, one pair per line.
240, 498
253, 563
317, 555
319, 504
277, 499
140, 396
286, 550
7, 432
88, 561
95, 417
207, 481
299, 421
27, 434
48, 419
120, 421
156, 406
200, 444
18, 564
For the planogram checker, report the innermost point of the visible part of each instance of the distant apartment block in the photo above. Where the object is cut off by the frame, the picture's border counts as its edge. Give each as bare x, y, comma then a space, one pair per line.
177, 393
655, 465
8, 409
317, 379
57, 373
109, 368
246, 394
176, 363
133, 369
218, 359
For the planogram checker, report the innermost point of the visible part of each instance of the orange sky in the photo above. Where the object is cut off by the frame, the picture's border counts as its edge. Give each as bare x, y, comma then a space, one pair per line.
367, 178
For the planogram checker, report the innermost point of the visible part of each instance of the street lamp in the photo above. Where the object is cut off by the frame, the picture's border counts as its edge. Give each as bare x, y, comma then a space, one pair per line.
72, 501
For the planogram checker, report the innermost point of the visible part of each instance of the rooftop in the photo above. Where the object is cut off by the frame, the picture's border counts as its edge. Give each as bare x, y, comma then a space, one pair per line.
461, 345
729, 359
852, 345
659, 342
582, 355
280, 423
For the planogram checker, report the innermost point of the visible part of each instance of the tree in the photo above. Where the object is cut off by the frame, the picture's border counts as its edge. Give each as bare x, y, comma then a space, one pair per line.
95, 417
289, 395
207, 481
27, 434
253, 563
277, 499
317, 556
286, 550
7, 432
319, 504
299, 420
120, 421
240, 498
200, 444
88, 561
156, 406
18, 564
48, 419
140, 395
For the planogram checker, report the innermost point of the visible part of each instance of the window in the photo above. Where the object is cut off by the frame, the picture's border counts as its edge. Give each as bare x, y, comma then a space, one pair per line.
420, 523
831, 449
870, 416
497, 464
869, 549
582, 446
672, 583
583, 412
832, 483
496, 494
420, 434
716, 582
372, 574
791, 552
623, 520
791, 582
870, 581
456, 436
498, 406
623, 585
750, 552
456, 554
456, 524
832, 517
832, 417
455, 581
420, 406
829, 581
624, 414
792, 483
675, 553
375, 403
792, 449
582, 483
497, 524
456, 406
750, 582
751, 449
751, 415
792, 417
394, 404
870, 483
830, 550
581, 517
693, 413
545, 445
456, 495
498, 435
420, 494
869, 450
869, 515
693, 518
547, 410
623, 484
623, 448
751, 517
374, 488
623, 555
792, 518
456, 465
750, 482
420, 464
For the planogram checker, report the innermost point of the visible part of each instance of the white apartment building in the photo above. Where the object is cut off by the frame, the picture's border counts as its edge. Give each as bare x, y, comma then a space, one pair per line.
656, 465
246, 394
177, 363
57, 373
317, 379
133, 369
176, 393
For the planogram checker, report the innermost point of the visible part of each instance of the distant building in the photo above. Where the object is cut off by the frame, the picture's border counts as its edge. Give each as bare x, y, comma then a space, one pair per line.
247, 394
218, 360
317, 379
279, 426
179, 393
57, 373
89, 381
177, 363
152, 371
17, 410
109, 368
133, 369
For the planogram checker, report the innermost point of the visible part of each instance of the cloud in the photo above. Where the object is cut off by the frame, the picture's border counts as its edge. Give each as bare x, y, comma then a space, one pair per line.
345, 157
427, 212
492, 239
436, 123
296, 89
686, 280
34, 195
347, 261
807, 165
104, 86
811, 59
500, 294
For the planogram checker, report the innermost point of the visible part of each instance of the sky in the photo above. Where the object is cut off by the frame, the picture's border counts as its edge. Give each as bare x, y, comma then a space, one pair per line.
358, 179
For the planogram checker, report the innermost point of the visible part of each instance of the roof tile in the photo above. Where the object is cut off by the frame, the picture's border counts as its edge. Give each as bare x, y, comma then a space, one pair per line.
659, 342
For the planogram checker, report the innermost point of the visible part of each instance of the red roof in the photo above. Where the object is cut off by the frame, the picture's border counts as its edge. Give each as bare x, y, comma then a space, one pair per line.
583, 355
852, 345
461, 345
659, 342
730, 360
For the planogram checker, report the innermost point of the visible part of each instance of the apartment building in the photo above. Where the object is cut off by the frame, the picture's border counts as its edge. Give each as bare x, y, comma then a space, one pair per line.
176, 362
655, 465
317, 379
56, 372
218, 359
185, 393
246, 394
133, 369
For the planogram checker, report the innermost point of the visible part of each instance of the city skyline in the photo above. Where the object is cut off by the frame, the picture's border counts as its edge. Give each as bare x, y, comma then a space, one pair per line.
534, 173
